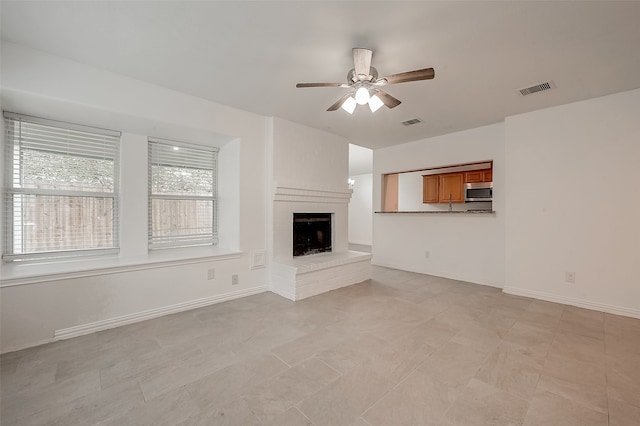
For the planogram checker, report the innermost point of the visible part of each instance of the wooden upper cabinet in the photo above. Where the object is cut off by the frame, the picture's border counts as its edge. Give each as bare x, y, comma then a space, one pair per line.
430, 185
451, 188
478, 176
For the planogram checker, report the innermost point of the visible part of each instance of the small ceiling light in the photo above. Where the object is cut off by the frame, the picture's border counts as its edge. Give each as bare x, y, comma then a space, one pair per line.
349, 105
375, 103
175, 148
362, 95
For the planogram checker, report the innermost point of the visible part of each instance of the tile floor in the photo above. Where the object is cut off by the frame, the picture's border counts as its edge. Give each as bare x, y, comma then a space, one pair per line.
400, 349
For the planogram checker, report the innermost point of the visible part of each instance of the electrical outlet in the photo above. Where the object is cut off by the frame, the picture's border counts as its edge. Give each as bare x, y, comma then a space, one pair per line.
427, 254
211, 274
234, 279
570, 277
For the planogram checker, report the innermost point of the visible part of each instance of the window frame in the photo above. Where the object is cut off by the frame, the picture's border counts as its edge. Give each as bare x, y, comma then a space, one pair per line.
9, 190
174, 242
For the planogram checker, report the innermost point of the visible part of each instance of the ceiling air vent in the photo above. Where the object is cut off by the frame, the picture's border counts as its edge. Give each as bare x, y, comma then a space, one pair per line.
412, 122
547, 85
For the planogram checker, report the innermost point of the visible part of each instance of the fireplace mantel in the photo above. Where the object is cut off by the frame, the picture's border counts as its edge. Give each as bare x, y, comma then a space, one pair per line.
295, 194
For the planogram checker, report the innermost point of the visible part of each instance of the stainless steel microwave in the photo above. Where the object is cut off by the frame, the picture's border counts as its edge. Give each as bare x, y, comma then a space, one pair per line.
478, 191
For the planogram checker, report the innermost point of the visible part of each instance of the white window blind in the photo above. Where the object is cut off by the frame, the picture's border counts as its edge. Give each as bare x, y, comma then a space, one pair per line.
61, 195
182, 194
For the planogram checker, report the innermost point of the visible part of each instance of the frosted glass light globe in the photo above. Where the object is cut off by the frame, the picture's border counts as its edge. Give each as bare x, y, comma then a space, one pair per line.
362, 95
349, 105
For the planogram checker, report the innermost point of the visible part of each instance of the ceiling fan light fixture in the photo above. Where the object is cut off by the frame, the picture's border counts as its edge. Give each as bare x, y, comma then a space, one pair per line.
349, 105
362, 95
375, 103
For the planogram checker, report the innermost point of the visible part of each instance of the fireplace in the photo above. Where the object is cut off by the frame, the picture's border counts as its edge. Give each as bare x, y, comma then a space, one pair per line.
311, 233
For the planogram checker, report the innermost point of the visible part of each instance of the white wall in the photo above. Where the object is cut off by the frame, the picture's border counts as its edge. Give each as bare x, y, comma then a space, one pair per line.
44, 85
572, 203
361, 210
309, 157
315, 163
461, 246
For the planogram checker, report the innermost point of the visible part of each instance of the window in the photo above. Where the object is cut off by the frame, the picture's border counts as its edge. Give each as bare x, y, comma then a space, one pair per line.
60, 189
182, 194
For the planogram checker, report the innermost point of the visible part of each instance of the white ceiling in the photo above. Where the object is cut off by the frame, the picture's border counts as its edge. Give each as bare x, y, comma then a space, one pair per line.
250, 55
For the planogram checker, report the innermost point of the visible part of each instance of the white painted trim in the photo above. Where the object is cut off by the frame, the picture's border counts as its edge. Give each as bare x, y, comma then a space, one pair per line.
292, 193
258, 259
283, 293
92, 327
116, 268
581, 303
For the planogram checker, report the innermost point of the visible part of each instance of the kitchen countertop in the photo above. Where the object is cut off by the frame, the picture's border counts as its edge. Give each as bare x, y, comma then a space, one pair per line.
441, 212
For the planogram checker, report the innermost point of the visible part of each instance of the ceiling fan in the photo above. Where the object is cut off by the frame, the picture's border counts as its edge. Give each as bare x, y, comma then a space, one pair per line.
365, 84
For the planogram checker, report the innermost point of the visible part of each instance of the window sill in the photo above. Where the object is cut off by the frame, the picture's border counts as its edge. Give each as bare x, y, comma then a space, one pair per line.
32, 273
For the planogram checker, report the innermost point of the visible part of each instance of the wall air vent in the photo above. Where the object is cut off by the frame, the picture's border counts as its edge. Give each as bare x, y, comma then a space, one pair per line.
547, 85
412, 122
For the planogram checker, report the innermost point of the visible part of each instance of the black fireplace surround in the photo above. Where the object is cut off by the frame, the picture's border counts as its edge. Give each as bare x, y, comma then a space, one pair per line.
311, 233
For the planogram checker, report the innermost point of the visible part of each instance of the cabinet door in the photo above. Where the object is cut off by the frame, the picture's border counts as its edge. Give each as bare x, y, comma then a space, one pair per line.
451, 188
430, 189
487, 176
474, 176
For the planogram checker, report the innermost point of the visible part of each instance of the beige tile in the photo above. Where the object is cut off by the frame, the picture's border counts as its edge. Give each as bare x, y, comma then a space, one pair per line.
345, 399
458, 316
291, 417
13, 381
482, 404
512, 370
577, 347
106, 357
432, 332
623, 414
622, 326
499, 320
233, 413
538, 339
544, 307
146, 365
78, 348
272, 398
405, 357
623, 379
307, 346
224, 385
539, 320
169, 409
9, 362
453, 365
581, 382
174, 375
583, 321
622, 345
353, 351
418, 400
29, 402
549, 409
478, 337
89, 409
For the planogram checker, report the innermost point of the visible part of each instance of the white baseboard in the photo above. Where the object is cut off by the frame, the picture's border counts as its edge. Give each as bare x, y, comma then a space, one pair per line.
581, 303
92, 327
283, 293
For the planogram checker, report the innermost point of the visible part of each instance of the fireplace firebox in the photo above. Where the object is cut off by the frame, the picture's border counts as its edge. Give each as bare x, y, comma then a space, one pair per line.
311, 233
